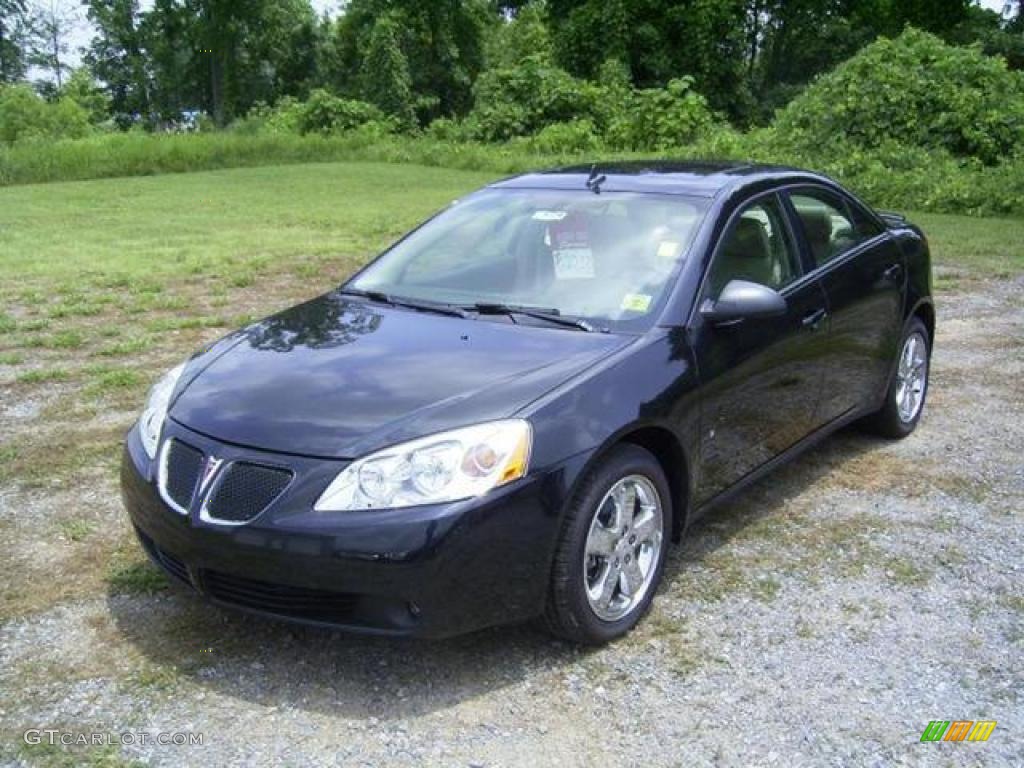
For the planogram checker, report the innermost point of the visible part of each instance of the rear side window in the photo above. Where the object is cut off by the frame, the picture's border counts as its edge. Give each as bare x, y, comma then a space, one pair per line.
830, 226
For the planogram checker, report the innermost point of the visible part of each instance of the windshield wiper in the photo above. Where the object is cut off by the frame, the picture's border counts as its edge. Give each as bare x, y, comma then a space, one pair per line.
403, 301
550, 315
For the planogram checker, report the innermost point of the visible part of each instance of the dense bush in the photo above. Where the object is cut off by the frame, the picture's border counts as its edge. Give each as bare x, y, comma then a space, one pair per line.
523, 99
914, 90
322, 113
535, 97
661, 118
325, 113
24, 115
576, 136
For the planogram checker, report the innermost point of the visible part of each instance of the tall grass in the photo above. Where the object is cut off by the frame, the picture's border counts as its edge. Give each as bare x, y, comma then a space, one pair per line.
136, 154
892, 176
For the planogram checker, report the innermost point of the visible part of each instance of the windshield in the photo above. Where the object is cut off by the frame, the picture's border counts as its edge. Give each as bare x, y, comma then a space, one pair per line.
606, 258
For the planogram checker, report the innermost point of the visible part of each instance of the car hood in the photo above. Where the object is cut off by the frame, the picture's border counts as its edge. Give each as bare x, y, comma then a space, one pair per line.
338, 377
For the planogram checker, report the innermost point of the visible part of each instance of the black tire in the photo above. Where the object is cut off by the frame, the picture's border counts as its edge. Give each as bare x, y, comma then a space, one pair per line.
887, 421
568, 613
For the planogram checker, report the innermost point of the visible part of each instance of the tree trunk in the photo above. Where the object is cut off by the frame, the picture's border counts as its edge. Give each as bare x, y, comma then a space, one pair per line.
217, 87
3, 58
55, 42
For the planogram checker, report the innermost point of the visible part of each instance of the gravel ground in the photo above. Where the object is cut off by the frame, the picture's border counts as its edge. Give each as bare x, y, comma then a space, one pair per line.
823, 619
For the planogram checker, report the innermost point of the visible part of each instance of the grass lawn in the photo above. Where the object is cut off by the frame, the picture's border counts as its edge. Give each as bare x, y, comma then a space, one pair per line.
104, 284
216, 221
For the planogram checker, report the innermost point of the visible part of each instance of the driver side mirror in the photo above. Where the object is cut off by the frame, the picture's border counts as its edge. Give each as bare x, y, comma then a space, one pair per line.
743, 300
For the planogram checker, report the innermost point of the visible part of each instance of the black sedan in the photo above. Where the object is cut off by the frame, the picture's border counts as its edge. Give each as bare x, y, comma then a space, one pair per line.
512, 411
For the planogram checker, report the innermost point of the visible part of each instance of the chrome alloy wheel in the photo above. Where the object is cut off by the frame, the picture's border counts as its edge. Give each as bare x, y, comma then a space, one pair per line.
911, 377
623, 547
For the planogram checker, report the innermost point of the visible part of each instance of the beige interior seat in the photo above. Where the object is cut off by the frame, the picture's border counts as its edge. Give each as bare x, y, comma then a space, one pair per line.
746, 255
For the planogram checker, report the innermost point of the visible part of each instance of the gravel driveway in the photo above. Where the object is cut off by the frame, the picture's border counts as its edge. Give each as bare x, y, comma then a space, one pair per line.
823, 619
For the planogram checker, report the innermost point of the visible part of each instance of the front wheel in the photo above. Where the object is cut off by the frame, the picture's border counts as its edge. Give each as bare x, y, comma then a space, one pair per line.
905, 398
612, 551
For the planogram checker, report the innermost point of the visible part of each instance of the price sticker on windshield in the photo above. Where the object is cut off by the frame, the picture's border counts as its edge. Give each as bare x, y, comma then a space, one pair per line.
668, 249
572, 255
636, 302
573, 263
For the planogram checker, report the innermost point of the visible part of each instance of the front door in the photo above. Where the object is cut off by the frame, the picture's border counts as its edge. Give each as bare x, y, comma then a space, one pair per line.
760, 378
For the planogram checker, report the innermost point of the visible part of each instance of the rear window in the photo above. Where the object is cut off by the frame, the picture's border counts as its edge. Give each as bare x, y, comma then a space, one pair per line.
831, 226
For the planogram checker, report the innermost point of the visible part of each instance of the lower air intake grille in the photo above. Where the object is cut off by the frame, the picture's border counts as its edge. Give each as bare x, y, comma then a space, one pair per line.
183, 465
292, 602
245, 490
172, 565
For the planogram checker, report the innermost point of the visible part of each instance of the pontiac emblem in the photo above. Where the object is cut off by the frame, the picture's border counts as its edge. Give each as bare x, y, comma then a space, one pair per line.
209, 471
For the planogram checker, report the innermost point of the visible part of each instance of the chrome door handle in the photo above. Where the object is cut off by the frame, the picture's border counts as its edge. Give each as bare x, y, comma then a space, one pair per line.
893, 273
813, 320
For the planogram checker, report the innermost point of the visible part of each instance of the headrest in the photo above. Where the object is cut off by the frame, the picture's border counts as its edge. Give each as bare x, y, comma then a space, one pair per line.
748, 240
817, 225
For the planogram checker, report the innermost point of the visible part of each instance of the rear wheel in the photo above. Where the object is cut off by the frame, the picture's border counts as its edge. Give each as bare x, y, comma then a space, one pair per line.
904, 402
612, 552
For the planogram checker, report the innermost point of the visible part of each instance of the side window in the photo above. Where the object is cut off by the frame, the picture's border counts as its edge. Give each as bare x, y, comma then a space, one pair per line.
829, 225
866, 224
756, 247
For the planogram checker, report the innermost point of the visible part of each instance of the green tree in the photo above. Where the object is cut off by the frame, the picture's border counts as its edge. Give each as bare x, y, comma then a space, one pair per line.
13, 32
658, 40
253, 50
442, 40
81, 89
220, 28
280, 53
175, 65
940, 17
116, 58
514, 37
385, 74
54, 23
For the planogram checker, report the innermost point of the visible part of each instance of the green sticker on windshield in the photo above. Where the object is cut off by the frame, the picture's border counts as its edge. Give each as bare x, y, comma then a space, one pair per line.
636, 302
667, 249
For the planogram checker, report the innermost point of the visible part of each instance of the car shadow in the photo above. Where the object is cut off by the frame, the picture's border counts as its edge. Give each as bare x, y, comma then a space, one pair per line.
769, 497
317, 670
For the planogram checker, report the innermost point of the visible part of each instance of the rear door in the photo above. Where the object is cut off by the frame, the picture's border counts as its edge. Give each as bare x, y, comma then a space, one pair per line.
760, 378
861, 269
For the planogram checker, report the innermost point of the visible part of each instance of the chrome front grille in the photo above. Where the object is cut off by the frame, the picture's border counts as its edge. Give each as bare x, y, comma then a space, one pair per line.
228, 493
181, 467
243, 490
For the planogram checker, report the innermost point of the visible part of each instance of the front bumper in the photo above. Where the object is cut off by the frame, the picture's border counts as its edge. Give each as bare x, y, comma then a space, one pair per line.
430, 571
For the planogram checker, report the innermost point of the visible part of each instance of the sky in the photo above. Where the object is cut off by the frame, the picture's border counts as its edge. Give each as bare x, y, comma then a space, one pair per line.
83, 32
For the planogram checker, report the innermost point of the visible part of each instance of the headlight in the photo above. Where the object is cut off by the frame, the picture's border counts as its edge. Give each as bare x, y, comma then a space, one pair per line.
445, 467
152, 419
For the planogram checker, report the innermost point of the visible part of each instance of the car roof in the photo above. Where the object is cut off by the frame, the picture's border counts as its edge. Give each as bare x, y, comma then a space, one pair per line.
701, 179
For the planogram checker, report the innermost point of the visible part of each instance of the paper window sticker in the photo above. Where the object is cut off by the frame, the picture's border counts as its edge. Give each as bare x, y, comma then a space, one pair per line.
570, 233
636, 302
573, 263
668, 249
